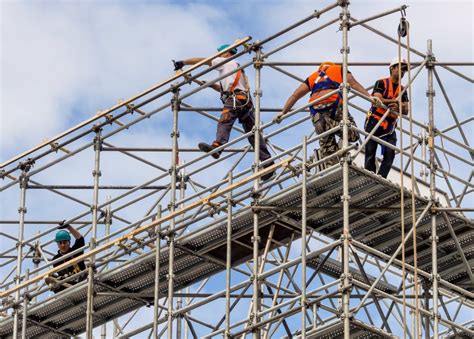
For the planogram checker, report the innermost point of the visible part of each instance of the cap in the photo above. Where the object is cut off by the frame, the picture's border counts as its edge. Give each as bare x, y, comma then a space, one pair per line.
62, 235
222, 47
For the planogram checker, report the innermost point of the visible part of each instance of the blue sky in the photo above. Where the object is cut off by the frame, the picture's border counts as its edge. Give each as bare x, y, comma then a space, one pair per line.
62, 61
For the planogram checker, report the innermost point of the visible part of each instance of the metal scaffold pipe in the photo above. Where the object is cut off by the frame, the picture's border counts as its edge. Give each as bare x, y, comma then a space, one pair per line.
228, 262
156, 296
434, 237
19, 246
255, 314
235, 239
91, 265
303, 300
346, 275
172, 205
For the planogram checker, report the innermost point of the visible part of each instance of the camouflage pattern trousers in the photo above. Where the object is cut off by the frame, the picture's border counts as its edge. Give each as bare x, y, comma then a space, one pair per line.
323, 122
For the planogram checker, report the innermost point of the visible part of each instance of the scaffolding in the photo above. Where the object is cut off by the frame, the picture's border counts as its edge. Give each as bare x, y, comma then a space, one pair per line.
317, 251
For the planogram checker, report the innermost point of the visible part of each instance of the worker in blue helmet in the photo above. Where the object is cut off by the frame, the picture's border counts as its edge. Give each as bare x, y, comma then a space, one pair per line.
63, 240
235, 95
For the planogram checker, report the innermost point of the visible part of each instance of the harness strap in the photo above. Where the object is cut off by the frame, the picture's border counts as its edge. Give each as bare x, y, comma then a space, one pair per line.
236, 81
326, 84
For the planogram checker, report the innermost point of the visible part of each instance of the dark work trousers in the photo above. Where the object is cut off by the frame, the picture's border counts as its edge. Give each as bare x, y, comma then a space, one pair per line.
241, 108
371, 149
323, 122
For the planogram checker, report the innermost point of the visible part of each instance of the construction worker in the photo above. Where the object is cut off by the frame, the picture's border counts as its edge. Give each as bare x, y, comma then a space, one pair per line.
327, 113
387, 90
235, 95
63, 240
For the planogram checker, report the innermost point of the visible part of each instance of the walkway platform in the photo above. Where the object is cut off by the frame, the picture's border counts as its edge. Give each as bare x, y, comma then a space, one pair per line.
201, 254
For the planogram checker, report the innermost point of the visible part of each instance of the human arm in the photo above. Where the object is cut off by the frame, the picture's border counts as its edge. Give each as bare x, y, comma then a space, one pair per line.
191, 61
394, 107
178, 65
71, 229
356, 85
300, 92
361, 89
379, 89
215, 87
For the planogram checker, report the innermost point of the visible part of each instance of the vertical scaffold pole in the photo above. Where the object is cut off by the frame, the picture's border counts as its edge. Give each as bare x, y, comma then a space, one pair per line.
256, 238
228, 262
179, 302
434, 237
157, 275
172, 203
303, 238
108, 220
426, 291
346, 281
91, 266
25, 167
25, 308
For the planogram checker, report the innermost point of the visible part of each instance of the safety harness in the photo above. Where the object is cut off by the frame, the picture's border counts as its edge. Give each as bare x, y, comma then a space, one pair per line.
235, 93
390, 122
322, 85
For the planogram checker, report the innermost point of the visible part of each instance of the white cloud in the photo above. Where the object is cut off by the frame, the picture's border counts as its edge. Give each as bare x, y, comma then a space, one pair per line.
63, 61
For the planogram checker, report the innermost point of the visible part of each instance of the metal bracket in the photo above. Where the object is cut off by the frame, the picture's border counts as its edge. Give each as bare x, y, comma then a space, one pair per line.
252, 239
96, 173
26, 165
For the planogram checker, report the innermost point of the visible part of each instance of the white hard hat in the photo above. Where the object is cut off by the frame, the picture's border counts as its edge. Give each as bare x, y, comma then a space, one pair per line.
396, 60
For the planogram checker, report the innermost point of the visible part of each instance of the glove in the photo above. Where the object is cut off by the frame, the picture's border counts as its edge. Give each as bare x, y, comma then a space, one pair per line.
62, 225
393, 107
277, 118
178, 65
376, 101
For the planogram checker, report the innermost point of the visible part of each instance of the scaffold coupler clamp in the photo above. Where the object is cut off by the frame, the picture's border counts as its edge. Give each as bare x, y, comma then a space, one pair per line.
26, 165
228, 334
343, 287
350, 315
344, 237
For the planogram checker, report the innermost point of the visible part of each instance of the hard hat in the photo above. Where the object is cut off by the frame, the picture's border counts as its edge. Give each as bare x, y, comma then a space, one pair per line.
62, 235
222, 47
326, 64
395, 61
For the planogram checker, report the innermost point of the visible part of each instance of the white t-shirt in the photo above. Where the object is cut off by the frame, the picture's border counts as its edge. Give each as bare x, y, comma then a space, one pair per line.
227, 82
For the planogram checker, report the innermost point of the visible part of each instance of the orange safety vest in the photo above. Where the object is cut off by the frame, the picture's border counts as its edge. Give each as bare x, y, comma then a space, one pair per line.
378, 112
326, 79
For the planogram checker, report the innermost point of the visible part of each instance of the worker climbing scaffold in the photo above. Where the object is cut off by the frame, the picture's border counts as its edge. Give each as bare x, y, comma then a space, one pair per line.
235, 95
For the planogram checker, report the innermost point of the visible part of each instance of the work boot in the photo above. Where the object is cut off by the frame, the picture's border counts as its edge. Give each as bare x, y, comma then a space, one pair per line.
208, 148
269, 175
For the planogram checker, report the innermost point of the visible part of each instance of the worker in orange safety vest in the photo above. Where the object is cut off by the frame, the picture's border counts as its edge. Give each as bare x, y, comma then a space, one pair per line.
387, 90
327, 113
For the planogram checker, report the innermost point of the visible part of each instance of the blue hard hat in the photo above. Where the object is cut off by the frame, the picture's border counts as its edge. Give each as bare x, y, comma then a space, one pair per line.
222, 47
63, 235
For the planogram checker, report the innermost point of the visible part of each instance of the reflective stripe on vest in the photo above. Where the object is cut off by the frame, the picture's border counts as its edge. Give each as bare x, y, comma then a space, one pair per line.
387, 94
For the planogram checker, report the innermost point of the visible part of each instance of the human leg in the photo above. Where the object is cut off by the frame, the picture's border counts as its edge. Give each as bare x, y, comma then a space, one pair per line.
224, 127
328, 145
388, 155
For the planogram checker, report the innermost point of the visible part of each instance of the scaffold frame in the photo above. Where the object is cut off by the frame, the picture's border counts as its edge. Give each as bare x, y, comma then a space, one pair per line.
316, 251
